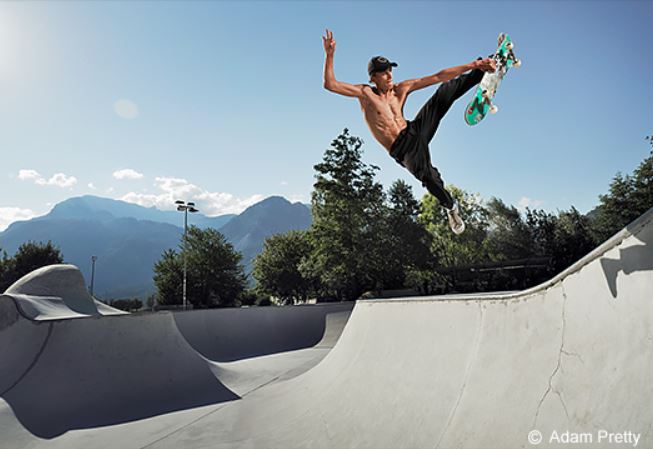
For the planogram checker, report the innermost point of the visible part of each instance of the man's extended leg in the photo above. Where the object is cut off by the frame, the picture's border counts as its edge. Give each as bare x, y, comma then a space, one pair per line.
412, 151
420, 166
428, 118
418, 162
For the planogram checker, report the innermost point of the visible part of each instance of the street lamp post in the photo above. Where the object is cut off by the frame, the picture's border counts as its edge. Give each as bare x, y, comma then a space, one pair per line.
93, 259
185, 208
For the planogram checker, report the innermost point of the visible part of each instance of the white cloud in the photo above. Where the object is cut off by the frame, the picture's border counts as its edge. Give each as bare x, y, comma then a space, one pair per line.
209, 203
27, 175
92, 186
284, 183
61, 180
127, 173
8, 215
58, 179
525, 202
126, 109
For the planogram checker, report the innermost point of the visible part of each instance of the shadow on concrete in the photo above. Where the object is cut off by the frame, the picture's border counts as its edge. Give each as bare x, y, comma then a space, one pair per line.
631, 259
51, 410
227, 335
94, 372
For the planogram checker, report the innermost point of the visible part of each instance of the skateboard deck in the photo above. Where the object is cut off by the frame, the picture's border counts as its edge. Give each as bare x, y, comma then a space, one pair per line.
481, 103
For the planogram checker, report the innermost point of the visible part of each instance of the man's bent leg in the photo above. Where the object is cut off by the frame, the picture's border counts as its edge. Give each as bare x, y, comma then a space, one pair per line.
437, 106
419, 164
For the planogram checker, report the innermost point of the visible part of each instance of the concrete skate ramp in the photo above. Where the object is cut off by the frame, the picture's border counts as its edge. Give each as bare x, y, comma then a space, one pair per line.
59, 375
251, 347
82, 373
573, 354
226, 335
55, 292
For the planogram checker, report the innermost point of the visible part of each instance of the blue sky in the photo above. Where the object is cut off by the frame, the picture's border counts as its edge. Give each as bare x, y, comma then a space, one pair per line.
222, 103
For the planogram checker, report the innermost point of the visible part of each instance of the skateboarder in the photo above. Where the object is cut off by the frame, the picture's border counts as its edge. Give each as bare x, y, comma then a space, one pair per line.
408, 141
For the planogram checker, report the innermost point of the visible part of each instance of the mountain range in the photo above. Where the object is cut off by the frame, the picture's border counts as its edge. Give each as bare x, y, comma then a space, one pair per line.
128, 239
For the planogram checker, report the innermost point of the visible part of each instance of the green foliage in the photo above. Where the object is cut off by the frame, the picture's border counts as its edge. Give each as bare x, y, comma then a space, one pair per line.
168, 276
215, 276
277, 267
254, 297
572, 239
151, 301
128, 305
448, 249
509, 237
363, 239
347, 208
29, 257
542, 227
407, 247
629, 197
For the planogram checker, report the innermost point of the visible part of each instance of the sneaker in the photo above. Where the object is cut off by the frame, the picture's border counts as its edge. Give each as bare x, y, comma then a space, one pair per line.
455, 222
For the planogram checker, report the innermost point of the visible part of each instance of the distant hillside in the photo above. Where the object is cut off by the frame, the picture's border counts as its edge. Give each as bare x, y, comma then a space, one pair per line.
128, 239
104, 209
126, 248
274, 215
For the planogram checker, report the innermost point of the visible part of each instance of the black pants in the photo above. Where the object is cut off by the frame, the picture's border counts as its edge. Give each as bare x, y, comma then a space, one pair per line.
411, 148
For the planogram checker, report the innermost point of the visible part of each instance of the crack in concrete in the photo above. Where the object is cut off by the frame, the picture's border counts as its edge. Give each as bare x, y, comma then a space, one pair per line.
211, 412
564, 406
185, 426
574, 354
470, 363
558, 364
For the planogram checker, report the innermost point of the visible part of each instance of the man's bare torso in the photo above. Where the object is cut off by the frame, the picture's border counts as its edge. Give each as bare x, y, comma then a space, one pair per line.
384, 113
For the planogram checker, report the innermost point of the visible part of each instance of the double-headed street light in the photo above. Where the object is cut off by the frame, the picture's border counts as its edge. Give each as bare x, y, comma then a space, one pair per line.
185, 208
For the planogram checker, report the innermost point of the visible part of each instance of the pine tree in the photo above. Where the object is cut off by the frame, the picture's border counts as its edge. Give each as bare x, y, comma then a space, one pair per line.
348, 210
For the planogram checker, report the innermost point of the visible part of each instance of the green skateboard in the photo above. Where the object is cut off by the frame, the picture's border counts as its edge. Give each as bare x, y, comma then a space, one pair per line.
481, 104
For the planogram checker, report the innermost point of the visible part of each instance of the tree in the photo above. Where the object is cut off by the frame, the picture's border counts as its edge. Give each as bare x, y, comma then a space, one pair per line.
616, 208
629, 197
168, 274
29, 257
573, 239
509, 237
277, 267
215, 276
448, 249
408, 243
541, 226
4, 267
347, 209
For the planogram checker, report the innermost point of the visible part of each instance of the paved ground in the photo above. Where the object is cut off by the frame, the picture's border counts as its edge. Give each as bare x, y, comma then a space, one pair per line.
570, 358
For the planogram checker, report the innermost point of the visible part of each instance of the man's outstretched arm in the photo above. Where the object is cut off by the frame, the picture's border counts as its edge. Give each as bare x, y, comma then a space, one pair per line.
330, 82
487, 65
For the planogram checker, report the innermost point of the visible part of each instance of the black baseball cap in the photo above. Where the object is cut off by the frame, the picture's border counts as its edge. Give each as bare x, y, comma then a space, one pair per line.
379, 64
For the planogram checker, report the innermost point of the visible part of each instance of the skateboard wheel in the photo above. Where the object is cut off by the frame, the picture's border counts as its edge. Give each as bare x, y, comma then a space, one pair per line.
509, 45
517, 63
485, 94
494, 109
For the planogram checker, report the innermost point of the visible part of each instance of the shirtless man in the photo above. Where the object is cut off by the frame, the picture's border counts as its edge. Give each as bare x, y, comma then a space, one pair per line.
408, 141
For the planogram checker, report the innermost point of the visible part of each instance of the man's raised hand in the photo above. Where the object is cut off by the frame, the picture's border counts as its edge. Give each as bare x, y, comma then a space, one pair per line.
487, 65
329, 43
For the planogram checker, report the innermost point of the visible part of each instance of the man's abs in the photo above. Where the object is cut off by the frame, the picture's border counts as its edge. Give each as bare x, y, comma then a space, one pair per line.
384, 120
